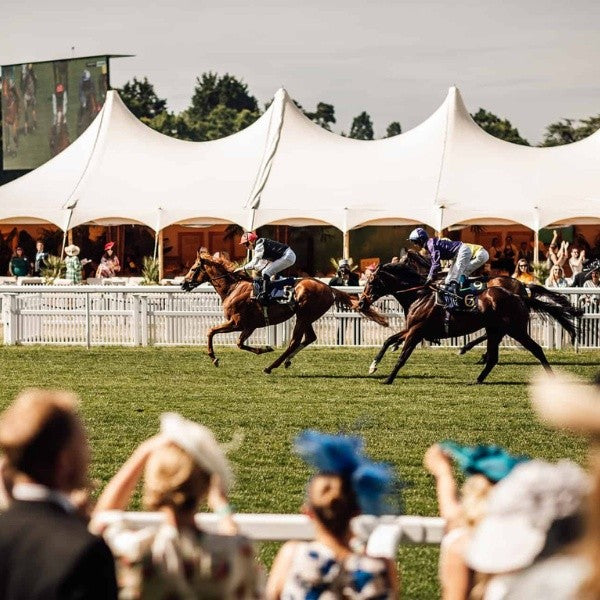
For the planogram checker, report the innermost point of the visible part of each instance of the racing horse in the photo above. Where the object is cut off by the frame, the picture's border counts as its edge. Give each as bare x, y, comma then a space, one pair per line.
535, 296
500, 313
243, 313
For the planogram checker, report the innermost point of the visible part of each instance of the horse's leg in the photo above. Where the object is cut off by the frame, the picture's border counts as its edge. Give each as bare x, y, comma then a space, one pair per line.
309, 337
294, 346
470, 345
529, 344
222, 328
246, 333
493, 342
396, 339
412, 338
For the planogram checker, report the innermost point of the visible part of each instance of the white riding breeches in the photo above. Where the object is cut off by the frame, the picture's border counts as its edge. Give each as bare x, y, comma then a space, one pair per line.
459, 266
287, 260
476, 261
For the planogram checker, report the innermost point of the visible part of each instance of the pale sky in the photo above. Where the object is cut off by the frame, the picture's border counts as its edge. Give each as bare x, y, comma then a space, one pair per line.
531, 61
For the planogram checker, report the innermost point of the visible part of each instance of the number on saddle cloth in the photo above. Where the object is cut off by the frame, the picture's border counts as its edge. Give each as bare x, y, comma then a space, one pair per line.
280, 289
468, 291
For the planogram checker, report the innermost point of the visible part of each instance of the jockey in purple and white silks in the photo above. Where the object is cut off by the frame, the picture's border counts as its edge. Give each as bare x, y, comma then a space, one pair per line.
441, 249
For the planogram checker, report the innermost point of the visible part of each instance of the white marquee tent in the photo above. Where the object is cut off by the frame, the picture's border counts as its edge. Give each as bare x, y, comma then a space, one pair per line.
284, 169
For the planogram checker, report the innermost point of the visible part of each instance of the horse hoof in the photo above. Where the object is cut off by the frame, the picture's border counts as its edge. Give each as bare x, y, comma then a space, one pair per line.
388, 381
372, 368
287, 364
479, 382
395, 347
267, 370
269, 349
215, 361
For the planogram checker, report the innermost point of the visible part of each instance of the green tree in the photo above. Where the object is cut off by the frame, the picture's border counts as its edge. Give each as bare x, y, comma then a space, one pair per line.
212, 91
500, 128
324, 115
567, 131
362, 127
394, 128
141, 99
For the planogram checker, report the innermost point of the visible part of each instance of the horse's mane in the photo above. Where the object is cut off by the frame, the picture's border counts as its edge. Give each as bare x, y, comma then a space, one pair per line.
225, 264
416, 257
403, 272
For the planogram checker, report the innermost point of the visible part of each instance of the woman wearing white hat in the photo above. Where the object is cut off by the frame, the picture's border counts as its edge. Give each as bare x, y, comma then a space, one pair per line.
182, 466
74, 266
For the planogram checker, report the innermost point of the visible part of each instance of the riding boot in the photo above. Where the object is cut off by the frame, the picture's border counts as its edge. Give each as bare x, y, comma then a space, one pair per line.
452, 295
263, 297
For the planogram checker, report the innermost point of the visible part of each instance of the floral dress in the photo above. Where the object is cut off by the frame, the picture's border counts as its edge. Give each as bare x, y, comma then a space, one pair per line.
317, 575
161, 563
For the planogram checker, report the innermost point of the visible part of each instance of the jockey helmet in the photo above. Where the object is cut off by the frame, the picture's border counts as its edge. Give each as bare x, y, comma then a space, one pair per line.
248, 238
418, 236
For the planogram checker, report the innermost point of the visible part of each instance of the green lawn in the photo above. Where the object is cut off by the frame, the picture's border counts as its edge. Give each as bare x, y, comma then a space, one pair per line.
124, 390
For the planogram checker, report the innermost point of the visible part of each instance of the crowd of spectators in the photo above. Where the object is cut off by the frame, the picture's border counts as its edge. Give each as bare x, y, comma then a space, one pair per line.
518, 528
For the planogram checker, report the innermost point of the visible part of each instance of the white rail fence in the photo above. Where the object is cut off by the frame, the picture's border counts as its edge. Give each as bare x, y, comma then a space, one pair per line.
382, 535
167, 316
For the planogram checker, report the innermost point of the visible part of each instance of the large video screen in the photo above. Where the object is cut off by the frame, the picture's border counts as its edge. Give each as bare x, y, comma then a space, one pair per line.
47, 105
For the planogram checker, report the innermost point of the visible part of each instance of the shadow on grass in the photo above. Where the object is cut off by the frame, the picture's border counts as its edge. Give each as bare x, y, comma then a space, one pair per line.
374, 377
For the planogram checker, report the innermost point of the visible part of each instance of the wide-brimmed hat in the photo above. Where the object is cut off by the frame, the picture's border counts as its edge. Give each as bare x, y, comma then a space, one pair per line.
72, 250
200, 443
108, 245
520, 512
567, 402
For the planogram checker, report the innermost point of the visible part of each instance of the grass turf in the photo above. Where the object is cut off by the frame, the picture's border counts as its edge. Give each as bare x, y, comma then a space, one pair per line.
124, 390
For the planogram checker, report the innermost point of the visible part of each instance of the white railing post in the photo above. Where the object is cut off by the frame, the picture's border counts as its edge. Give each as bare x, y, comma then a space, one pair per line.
144, 319
88, 320
9, 319
136, 323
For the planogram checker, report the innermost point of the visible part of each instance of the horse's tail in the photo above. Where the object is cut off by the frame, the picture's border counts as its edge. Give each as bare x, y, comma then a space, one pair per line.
554, 305
348, 301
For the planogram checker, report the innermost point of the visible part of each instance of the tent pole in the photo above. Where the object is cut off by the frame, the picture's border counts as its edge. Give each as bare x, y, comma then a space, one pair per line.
64, 243
346, 247
160, 256
536, 246
70, 237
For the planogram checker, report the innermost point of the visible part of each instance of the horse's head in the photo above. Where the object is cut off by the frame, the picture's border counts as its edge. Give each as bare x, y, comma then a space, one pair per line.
388, 279
374, 290
196, 275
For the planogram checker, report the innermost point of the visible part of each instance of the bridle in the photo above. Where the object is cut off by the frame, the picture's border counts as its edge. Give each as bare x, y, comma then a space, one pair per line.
372, 296
190, 284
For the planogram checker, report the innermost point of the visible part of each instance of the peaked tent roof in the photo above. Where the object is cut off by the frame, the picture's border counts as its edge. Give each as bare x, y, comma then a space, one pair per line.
285, 169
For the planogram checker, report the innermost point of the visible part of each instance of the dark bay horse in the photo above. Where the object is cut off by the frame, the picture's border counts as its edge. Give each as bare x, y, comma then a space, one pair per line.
243, 313
500, 313
535, 296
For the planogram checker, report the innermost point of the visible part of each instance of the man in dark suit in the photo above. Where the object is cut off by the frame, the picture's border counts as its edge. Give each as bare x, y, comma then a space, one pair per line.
46, 551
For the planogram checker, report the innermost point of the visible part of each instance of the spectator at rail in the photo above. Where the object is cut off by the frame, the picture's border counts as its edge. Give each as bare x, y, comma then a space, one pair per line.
364, 277
46, 551
588, 267
41, 256
183, 466
485, 466
496, 254
567, 403
509, 253
592, 283
533, 517
73, 264
556, 278
525, 252
344, 276
346, 484
576, 262
523, 272
19, 264
109, 263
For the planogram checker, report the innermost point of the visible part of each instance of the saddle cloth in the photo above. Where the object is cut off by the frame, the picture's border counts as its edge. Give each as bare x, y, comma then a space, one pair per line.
281, 289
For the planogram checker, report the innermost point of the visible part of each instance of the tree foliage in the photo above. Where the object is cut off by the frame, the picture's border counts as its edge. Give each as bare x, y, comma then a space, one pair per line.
394, 128
500, 128
567, 131
362, 127
324, 115
141, 99
212, 91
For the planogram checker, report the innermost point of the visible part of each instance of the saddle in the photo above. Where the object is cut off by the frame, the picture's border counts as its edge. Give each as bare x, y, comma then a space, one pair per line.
464, 297
281, 291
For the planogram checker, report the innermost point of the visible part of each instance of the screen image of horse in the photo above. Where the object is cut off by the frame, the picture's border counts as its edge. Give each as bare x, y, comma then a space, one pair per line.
47, 105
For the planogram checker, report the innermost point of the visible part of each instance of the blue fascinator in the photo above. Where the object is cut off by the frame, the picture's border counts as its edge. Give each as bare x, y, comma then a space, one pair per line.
493, 462
343, 455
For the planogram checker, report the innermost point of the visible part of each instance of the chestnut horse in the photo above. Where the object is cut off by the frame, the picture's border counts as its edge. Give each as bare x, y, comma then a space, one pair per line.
499, 312
244, 313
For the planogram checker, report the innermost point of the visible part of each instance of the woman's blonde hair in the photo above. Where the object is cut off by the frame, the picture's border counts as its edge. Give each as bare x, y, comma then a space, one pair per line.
172, 478
474, 494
